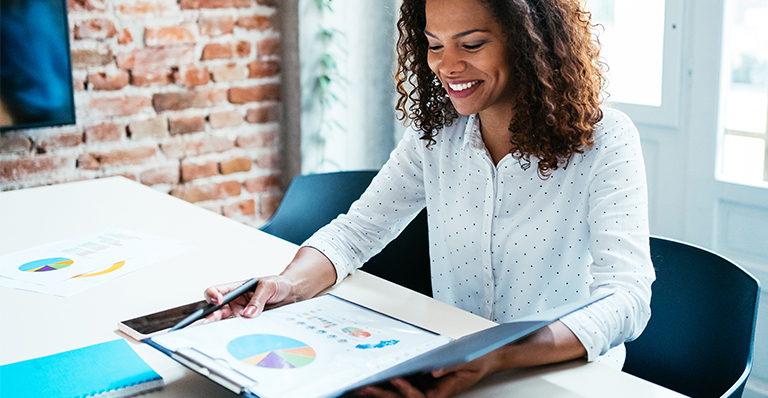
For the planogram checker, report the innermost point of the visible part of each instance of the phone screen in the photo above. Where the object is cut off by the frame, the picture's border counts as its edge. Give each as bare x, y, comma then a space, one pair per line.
147, 325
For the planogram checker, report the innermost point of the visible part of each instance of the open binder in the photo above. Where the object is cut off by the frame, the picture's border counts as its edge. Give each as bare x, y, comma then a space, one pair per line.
326, 346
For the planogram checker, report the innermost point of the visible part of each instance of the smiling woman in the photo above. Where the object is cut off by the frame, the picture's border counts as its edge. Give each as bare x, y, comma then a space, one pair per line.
535, 194
545, 81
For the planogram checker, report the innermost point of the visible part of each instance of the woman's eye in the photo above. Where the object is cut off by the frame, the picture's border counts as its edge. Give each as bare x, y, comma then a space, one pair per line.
474, 46
435, 48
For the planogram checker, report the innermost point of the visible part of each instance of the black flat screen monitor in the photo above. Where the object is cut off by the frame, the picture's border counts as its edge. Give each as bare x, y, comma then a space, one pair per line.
35, 66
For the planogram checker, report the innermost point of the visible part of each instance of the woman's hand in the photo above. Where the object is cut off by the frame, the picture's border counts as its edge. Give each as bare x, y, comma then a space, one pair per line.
271, 291
308, 274
551, 344
448, 383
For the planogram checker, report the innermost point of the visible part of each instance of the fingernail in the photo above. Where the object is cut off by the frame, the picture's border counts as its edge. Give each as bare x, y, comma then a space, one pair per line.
249, 311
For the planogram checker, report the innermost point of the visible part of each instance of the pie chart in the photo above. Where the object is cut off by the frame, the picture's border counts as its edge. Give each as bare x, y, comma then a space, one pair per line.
46, 264
356, 332
271, 351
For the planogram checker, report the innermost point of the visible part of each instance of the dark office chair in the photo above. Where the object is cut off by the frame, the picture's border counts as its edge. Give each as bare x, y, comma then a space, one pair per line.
312, 201
700, 338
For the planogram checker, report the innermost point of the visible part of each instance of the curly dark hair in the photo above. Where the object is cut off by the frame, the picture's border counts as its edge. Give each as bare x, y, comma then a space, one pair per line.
552, 56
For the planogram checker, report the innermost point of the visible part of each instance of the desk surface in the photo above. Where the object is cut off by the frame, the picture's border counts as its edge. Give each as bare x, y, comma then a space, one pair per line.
223, 250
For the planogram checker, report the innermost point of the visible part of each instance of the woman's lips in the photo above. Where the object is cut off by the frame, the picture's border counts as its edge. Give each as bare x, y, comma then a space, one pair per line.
462, 89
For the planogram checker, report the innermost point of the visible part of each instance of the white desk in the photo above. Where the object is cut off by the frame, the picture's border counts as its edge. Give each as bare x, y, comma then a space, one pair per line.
35, 324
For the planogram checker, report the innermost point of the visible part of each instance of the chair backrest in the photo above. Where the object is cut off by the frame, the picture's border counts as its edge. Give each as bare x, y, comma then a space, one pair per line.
314, 200
700, 337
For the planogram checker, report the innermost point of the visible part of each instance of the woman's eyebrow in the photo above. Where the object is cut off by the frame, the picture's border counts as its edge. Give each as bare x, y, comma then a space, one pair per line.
457, 35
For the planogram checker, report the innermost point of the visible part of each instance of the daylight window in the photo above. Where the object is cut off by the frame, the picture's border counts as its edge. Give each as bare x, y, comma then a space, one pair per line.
745, 92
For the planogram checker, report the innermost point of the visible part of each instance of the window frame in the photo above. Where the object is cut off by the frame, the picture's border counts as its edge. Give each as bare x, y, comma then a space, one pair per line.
668, 113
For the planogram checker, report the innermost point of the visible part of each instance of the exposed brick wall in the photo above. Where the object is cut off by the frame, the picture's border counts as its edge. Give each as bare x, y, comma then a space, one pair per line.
180, 95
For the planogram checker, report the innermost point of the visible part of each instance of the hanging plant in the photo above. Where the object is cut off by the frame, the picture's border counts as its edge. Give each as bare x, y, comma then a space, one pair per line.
328, 82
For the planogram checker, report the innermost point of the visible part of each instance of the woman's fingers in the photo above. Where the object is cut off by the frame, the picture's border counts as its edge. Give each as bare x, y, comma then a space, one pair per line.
271, 291
215, 294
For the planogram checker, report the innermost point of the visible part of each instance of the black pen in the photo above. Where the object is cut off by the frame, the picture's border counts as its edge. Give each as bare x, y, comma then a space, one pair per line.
210, 308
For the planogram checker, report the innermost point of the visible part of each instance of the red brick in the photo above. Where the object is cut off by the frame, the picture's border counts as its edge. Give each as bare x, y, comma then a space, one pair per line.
268, 161
259, 139
14, 144
218, 96
104, 132
236, 165
268, 205
216, 25
145, 77
262, 92
86, 5
242, 208
207, 192
262, 183
218, 51
268, 46
262, 114
143, 8
82, 59
187, 99
18, 169
170, 35
64, 139
156, 57
125, 37
78, 84
119, 106
109, 81
186, 125
220, 120
229, 72
191, 75
160, 175
95, 160
198, 4
243, 49
270, 3
259, 69
150, 128
254, 22
183, 146
192, 171
96, 29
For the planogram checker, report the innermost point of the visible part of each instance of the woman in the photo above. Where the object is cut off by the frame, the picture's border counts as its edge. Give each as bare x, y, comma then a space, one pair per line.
536, 196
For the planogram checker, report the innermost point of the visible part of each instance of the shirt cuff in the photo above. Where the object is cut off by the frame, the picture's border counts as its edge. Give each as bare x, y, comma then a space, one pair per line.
587, 330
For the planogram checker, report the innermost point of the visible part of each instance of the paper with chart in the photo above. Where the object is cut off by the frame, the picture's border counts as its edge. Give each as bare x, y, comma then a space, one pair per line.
70, 266
308, 349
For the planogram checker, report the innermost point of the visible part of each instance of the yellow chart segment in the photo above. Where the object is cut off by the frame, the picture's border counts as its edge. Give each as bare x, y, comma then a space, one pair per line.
114, 267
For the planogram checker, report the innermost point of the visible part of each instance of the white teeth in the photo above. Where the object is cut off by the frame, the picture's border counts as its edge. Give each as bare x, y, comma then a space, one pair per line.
463, 86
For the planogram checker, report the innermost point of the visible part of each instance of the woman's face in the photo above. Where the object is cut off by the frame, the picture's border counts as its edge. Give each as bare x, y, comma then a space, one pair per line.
468, 53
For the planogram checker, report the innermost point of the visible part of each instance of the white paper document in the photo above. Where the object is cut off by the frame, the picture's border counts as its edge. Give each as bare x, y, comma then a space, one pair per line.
308, 349
70, 266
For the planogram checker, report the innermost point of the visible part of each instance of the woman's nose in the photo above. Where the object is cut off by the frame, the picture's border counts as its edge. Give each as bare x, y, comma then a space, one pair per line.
451, 62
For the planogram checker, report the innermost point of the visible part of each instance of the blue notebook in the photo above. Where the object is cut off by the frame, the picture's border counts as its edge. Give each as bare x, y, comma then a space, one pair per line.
111, 369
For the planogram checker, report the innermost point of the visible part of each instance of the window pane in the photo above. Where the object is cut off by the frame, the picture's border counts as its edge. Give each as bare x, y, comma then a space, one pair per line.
745, 91
743, 159
746, 65
632, 38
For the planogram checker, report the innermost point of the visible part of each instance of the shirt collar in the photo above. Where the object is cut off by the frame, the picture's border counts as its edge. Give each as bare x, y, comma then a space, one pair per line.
472, 133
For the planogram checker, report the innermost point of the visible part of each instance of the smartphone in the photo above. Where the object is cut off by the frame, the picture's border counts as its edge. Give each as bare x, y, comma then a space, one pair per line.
158, 322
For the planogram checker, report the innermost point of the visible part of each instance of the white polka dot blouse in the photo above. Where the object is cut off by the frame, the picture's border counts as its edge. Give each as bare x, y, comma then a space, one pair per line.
505, 243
